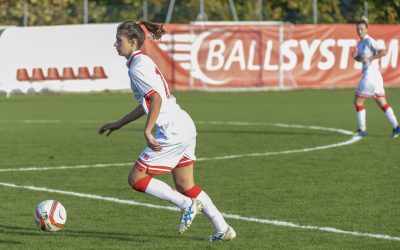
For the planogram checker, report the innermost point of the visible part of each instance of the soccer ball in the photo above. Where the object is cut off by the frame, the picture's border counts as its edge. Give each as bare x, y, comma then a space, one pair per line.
50, 215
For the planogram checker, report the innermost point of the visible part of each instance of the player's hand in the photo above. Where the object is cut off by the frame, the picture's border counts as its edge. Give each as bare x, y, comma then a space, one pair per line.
367, 60
356, 57
151, 142
110, 127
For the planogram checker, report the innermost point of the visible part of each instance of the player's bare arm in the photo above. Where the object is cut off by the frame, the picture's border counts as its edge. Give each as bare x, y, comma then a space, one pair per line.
128, 118
154, 111
356, 56
381, 53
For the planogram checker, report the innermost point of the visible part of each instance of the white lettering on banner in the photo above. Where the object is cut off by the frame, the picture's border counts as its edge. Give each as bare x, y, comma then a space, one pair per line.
308, 52
286, 52
236, 55
325, 52
346, 44
245, 54
250, 64
392, 53
268, 56
215, 54
196, 69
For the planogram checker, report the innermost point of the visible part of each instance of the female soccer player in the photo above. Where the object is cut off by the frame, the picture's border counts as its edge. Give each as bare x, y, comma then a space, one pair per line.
172, 149
371, 84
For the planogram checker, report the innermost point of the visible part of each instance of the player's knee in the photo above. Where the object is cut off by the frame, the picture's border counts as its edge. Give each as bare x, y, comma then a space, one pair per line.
141, 184
136, 177
130, 181
131, 178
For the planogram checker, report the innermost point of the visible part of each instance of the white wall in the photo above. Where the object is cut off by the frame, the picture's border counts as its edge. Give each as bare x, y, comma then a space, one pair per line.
61, 46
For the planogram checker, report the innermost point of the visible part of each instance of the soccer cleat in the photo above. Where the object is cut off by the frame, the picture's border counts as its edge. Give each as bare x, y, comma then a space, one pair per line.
360, 133
396, 132
230, 234
188, 215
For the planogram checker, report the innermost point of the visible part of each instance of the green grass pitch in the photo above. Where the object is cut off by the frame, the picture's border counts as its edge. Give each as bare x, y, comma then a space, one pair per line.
354, 187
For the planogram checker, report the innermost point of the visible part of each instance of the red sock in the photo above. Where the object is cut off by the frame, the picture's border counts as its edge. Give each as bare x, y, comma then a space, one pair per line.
385, 107
142, 184
193, 192
360, 107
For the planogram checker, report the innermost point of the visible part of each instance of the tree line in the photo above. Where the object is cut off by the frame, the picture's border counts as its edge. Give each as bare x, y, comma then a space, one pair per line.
54, 12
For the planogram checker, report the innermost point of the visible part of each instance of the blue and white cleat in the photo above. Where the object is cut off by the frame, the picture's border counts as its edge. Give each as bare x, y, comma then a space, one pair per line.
396, 132
360, 133
230, 234
188, 215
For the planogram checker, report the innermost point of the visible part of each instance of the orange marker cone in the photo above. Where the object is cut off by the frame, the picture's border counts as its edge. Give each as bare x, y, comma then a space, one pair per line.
52, 74
98, 73
37, 74
68, 74
22, 75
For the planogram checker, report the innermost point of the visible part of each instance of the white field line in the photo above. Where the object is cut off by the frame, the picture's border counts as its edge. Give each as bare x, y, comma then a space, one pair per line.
49, 121
231, 216
262, 154
101, 165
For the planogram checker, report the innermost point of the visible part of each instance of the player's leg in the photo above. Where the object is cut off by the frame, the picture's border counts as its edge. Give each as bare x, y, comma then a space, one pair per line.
361, 115
140, 181
159, 162
184, 183
384, 105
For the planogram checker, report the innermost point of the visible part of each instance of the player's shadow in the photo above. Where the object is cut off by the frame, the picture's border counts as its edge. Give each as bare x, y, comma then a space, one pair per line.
128, 237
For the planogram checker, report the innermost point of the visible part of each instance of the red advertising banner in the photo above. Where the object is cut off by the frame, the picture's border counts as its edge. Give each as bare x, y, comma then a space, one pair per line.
268, 55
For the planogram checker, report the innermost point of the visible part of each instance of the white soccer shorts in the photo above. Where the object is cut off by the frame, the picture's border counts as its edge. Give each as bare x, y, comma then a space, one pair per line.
172, 155
371, 86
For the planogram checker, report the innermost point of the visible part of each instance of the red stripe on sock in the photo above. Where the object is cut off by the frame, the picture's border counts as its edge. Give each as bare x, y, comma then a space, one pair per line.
385, 107
193, 192
359, 108
142, 184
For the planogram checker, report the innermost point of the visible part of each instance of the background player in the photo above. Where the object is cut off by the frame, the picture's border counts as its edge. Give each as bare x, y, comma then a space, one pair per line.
371, 83
172, 149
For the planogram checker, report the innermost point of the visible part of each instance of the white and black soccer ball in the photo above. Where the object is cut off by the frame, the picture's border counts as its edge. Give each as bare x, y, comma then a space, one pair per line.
50, 215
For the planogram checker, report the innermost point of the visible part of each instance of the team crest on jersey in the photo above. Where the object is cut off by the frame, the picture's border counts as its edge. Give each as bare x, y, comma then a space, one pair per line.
145, 156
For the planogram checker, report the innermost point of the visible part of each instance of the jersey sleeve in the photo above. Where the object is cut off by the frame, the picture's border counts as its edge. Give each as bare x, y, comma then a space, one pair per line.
375, 46
143, 82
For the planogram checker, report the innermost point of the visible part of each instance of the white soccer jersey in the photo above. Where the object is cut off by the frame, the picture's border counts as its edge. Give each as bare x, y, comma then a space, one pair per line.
146, 79
175, 130
368, 47
371, 83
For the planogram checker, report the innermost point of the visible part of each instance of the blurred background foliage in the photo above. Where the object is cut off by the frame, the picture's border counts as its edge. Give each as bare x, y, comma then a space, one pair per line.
55, 12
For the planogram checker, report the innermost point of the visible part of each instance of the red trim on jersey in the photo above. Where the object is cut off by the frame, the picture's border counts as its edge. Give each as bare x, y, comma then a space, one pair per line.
360, 108
131, 59
193, 192
149, 93
385, 107
51, 217
184, 162
147, 100
158, 72
147, 97
141, 185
